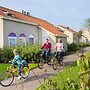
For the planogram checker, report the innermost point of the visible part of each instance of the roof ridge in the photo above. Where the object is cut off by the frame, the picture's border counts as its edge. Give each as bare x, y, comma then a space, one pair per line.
43, 23
23, 14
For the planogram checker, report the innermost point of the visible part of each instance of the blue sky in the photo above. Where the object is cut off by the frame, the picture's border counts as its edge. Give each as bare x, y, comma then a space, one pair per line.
70, 13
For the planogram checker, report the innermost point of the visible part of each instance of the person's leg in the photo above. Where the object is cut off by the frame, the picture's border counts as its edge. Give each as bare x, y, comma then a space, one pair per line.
58, 57
61, 60
47, 53
44, 55
19, 69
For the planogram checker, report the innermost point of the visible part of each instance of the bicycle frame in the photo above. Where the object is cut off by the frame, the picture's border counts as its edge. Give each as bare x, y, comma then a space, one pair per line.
13, 70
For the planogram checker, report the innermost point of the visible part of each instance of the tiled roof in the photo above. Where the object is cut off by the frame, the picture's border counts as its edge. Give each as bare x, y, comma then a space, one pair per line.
46, 25
2, 14
71, 30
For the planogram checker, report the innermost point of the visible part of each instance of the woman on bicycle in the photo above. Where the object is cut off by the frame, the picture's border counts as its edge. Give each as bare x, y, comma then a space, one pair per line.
19, 62
59, 49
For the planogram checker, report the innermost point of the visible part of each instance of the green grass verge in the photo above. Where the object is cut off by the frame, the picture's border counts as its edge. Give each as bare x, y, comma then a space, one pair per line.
3, 66
87, 54
68, 72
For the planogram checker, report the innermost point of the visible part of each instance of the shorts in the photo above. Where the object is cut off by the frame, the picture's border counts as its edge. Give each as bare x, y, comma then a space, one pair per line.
24, 62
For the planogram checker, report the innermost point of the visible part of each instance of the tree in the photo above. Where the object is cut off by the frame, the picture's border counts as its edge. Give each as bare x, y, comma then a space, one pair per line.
87, 23
79, 34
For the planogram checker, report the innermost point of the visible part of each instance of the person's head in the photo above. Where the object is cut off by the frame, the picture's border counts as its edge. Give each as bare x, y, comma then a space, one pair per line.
47, 40
15, 51
59, 41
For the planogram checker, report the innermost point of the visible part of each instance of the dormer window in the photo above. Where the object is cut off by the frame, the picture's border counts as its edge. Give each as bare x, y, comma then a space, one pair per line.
9, 14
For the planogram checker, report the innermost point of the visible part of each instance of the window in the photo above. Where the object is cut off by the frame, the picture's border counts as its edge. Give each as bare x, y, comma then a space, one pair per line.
31, 39
22, 39
12, 39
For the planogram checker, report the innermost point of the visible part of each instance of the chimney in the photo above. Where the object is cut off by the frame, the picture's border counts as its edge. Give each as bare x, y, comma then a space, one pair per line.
67, 27
26, 13
23, 12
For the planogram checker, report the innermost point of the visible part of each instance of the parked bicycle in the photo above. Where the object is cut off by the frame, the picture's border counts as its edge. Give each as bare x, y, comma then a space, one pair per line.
7, 77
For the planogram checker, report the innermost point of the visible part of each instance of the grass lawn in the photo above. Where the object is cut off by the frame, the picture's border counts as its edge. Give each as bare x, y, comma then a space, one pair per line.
67, 72
87, 54
3, 67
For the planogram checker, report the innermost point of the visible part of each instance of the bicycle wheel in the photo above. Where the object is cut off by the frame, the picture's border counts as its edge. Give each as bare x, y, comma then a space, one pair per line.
55, 64
61, 61
6, 78
41, 63
25, 72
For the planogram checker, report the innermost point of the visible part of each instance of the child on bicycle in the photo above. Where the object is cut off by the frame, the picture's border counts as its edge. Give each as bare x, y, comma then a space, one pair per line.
19, 62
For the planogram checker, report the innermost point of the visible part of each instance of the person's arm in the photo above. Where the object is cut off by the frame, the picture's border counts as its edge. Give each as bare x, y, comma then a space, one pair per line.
55, 46
43, 46
50, 45
62, 46
49, 48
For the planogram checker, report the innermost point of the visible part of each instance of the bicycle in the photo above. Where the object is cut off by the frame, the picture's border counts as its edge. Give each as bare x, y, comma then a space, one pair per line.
42, 60
7, 77
57, 61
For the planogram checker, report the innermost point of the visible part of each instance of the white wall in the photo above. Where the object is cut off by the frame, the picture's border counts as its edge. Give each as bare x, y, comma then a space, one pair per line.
1, 32
46, 34
18, 28
86, 39
71, 36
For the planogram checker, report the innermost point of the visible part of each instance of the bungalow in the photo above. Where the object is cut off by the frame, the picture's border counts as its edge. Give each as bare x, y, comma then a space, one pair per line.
22, 29
72, 35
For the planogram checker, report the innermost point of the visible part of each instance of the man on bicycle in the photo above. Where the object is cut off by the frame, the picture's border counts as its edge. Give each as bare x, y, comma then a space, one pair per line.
46, 50
59, 49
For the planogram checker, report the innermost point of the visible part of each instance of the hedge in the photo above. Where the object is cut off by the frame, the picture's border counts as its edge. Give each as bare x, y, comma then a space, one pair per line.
28, 53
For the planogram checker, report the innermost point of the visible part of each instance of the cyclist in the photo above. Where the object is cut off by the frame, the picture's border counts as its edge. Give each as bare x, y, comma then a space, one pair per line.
46, 50
59, 50
19, 62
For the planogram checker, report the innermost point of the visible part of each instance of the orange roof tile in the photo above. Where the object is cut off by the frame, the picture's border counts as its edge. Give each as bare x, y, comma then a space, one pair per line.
46, 25
2, 14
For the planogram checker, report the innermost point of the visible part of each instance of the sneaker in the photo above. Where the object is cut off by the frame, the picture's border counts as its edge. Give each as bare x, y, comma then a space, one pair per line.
19, 77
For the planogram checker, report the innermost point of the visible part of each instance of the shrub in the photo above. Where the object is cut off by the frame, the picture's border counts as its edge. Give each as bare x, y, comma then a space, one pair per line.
72, 47
6, 54
28, 53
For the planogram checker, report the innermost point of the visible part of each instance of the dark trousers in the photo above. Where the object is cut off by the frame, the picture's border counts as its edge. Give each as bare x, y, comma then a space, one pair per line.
59, 56
46, 55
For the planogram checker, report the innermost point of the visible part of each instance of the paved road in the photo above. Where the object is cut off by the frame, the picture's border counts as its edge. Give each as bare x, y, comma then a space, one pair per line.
32, 82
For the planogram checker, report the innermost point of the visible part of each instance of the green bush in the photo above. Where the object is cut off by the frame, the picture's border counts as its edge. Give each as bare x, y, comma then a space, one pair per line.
6, 54
72, 47
28, 53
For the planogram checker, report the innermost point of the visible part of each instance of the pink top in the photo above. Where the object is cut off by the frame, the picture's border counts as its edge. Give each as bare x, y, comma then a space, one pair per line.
59, 47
